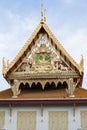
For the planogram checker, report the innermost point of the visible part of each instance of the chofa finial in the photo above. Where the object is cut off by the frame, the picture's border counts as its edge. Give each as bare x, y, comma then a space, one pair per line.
4, 65
43, 14
82, 63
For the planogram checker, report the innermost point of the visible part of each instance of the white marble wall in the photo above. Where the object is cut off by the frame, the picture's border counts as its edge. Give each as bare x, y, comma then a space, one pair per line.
42, 121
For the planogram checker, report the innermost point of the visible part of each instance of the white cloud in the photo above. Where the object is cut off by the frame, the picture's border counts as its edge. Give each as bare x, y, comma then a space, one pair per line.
13, 38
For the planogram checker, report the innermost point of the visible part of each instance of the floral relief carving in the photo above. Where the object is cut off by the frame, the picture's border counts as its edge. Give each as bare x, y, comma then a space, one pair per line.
43, 58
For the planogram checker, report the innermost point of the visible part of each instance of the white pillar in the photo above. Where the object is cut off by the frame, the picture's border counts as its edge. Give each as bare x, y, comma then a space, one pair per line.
71, 87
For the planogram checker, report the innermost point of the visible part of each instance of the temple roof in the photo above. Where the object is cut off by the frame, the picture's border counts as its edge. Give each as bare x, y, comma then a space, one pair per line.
42, 27
41, 62
58, 96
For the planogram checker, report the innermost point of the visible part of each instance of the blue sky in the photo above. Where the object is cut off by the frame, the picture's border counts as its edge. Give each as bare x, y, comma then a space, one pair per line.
67, 19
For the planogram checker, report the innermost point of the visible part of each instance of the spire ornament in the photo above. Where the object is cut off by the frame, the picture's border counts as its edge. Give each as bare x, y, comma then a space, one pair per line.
4, 65
82, 64
43, 14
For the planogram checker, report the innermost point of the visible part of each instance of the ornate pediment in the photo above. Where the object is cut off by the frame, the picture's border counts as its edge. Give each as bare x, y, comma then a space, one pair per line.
43, 59
42, 53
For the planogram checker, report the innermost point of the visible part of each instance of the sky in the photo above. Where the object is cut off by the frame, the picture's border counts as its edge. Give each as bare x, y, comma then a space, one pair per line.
67, 19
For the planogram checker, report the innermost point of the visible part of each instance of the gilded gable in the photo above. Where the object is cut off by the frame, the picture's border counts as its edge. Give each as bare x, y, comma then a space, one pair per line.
43, 59
44, 63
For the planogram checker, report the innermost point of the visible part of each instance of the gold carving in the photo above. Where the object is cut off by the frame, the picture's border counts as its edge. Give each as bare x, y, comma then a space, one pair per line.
41, 31
82, 64
43, 59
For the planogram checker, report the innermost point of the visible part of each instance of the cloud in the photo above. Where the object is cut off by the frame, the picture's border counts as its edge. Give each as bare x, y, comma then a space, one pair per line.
68, 1
77, 41
73, 40
16, 31
13, 36
76, 45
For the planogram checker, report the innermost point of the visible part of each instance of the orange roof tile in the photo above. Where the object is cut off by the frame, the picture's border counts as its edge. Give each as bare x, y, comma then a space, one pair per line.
80, 93
60, 93
36, 94
6, 94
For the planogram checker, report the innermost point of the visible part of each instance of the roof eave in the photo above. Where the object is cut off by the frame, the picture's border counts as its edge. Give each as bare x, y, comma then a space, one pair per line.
43, 101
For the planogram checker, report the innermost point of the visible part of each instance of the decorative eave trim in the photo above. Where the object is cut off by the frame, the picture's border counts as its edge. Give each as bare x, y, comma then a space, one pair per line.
43, 101
60, 75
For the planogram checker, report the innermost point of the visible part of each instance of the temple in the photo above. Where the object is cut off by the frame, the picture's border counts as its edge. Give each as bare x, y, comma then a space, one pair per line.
45, 86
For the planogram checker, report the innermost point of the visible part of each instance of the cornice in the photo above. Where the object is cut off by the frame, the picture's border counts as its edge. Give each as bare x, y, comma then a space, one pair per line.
60, 75
67, 101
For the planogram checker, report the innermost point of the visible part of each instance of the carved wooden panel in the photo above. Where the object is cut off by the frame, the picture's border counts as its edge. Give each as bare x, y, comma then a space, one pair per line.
2, 119
83, 115
43, 58
58, 120
26, 120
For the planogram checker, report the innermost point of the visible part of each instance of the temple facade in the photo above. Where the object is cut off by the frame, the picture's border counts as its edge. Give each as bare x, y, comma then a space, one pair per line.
45, 87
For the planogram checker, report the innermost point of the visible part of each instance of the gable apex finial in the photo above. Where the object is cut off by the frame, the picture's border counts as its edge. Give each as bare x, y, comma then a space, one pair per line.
43, 14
